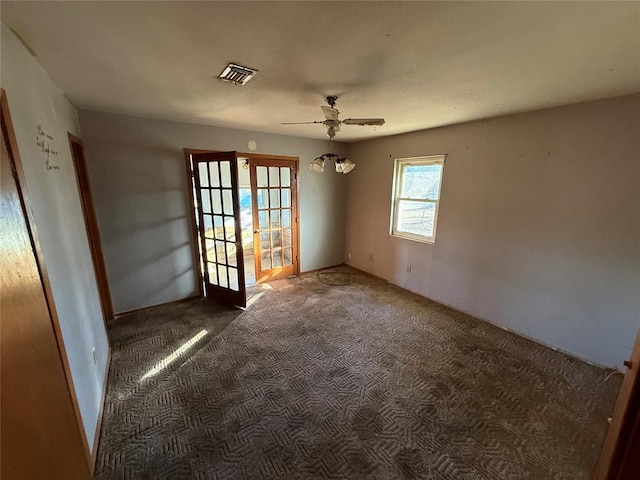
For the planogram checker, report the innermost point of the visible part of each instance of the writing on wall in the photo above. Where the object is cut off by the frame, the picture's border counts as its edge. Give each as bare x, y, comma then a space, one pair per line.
45, 144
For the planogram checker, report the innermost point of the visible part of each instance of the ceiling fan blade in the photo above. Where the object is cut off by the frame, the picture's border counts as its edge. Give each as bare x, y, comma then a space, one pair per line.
329, 113
300, 123
364, 121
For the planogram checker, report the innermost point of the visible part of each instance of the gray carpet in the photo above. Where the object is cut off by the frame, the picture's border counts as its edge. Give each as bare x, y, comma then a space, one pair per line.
360, 381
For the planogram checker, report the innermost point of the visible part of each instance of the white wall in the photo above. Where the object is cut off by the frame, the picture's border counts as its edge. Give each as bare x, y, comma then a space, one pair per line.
538, 229
34, 99
139, 184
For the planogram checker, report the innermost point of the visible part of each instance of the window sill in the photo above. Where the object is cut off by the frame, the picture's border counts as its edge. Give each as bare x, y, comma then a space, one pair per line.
415, 238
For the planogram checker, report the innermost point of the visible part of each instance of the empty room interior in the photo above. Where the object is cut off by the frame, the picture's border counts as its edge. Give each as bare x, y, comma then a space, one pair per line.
320, 240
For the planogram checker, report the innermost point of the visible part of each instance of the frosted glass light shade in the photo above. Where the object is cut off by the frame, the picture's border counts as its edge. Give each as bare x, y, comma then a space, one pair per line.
317, 165
347, 166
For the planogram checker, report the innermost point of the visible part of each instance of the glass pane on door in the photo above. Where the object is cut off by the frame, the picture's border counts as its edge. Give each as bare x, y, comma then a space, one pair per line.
213, 273
285, 177
233, 279
276, 238
274, 177
222, 276
261, 177
286, 218
227, 202
288, 256
277, 258
266, 260
217, 202
225, 174
263, 198
274, 197
206, 201
286, 197
208, 226
275, 218
203, 174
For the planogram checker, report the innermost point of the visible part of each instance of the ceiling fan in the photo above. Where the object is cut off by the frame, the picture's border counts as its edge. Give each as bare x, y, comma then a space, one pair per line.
332, 122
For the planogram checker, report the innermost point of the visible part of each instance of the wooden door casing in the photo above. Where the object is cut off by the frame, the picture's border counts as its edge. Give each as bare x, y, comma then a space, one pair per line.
91, 223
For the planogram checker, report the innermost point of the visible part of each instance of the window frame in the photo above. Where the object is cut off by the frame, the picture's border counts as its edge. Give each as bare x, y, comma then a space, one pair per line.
398, 170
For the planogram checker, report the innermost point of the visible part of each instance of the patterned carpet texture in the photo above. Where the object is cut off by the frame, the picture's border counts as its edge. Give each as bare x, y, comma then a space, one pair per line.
359, 381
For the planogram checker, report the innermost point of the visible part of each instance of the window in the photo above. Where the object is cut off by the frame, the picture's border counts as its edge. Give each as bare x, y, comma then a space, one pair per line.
416, 193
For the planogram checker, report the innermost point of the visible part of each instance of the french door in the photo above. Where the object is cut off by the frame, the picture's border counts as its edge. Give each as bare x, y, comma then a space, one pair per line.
275, 217
220, 233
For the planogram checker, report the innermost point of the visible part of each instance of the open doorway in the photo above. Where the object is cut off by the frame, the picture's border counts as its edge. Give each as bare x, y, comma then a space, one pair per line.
246, 220
265, 192
91, 224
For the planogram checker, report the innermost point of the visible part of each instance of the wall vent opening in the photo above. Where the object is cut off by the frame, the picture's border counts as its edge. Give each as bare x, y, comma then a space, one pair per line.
237, 74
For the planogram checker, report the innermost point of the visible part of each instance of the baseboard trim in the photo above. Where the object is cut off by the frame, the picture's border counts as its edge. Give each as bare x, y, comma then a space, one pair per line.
96, 437
514, 332
142, 309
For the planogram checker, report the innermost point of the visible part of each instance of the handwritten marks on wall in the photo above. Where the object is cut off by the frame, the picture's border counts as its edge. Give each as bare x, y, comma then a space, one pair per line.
46, 144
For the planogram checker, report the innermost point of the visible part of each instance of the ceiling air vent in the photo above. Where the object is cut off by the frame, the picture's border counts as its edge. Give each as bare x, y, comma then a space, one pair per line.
237, 74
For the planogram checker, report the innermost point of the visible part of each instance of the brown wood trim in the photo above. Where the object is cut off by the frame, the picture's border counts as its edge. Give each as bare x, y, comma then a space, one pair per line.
91, 225
192, 215
7, 126
200, 240
250, 155
96, 437
264, 156
142, 309
622, 420
257, 255
297, 220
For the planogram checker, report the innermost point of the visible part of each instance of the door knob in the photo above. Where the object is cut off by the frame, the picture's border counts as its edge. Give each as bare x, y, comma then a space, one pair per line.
256, 231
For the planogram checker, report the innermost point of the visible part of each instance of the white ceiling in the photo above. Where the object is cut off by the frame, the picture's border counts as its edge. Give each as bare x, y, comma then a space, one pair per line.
417, 64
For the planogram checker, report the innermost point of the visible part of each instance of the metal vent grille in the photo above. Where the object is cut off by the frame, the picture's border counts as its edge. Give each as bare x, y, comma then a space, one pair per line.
237, 74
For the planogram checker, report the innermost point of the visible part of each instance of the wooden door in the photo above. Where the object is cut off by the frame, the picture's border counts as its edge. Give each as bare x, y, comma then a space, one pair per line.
39, 434
219, 229
275, 217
